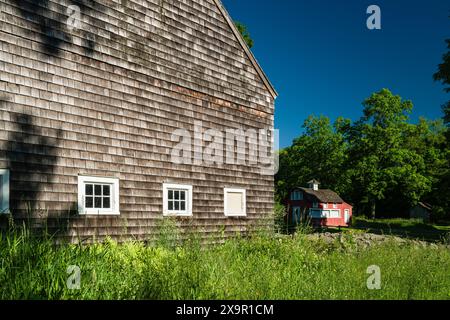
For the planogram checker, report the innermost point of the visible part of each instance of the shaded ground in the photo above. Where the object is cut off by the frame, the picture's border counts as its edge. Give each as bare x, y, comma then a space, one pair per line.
394, 228
404, 228
363, 239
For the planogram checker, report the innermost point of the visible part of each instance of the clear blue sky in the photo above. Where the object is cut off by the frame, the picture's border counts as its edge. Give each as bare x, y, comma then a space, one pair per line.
322, 59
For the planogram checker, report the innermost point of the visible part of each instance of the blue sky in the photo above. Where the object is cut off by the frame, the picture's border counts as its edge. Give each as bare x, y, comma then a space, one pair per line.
322, 59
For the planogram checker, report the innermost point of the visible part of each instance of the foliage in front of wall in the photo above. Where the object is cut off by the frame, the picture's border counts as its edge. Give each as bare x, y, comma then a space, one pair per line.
261, 267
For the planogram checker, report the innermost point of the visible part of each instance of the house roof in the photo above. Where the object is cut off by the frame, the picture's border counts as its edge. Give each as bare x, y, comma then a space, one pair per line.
247, 50
323, 195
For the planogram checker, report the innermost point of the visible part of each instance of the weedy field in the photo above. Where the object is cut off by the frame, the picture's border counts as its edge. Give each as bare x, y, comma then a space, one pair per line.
262, 267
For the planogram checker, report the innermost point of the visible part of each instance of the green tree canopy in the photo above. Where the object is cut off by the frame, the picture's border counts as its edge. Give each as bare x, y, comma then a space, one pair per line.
380, 161
443, 75
319, 153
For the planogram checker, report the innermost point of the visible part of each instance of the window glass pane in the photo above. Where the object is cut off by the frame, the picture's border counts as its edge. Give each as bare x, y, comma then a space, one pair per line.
183, 206
89, 202
98, 189
106, 190
170, 194
177, 205
177, 195
183, 195
170, 205
89, 189
107, 203
98, 203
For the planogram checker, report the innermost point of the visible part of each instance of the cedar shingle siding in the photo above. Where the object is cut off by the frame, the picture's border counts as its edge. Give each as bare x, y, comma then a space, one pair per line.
104, 100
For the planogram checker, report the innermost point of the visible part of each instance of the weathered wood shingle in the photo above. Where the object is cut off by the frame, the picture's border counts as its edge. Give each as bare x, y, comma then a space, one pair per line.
105, 99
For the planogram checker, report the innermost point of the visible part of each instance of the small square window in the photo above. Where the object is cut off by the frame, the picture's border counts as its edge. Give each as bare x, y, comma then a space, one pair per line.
4, 191
235, 202
98, 196
177, 200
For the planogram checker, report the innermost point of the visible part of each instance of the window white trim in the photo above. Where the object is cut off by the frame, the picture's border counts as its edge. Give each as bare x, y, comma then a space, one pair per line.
178, 213
244, 200
335, 214
4, 203
327, 213
115, 198
325, 205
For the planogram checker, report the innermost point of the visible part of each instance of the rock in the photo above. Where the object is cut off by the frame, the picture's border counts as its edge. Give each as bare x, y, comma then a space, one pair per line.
368, 239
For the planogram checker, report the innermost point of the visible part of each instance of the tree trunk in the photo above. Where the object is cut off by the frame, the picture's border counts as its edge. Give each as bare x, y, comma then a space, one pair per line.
373, 209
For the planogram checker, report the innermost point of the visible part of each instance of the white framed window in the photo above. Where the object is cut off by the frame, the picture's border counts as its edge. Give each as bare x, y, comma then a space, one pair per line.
325, 205
4, 191
335, 206
296, 195
98, 196
235, 202
335, 214
177, 200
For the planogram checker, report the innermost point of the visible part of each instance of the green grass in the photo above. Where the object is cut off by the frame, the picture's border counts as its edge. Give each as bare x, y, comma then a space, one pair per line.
263, 267
406, 228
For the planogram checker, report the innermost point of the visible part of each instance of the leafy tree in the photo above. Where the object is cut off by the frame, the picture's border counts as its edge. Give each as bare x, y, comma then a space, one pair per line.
320, 153
442, 185
380, 161
245, 34
443, 75
428, 139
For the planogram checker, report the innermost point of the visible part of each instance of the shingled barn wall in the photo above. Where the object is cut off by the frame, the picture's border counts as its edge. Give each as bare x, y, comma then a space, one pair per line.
104, 100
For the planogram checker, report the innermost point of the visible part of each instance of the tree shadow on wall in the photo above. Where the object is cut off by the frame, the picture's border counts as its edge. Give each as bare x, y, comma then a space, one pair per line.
53, 31
31, 152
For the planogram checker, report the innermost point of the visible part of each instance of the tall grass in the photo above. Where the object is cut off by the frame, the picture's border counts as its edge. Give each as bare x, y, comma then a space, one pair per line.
262, 267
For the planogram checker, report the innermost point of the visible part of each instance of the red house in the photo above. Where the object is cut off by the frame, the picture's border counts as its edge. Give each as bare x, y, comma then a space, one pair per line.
324, 207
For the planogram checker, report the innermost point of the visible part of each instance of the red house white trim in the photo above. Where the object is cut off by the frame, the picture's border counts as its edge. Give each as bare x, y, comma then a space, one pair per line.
324, 207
